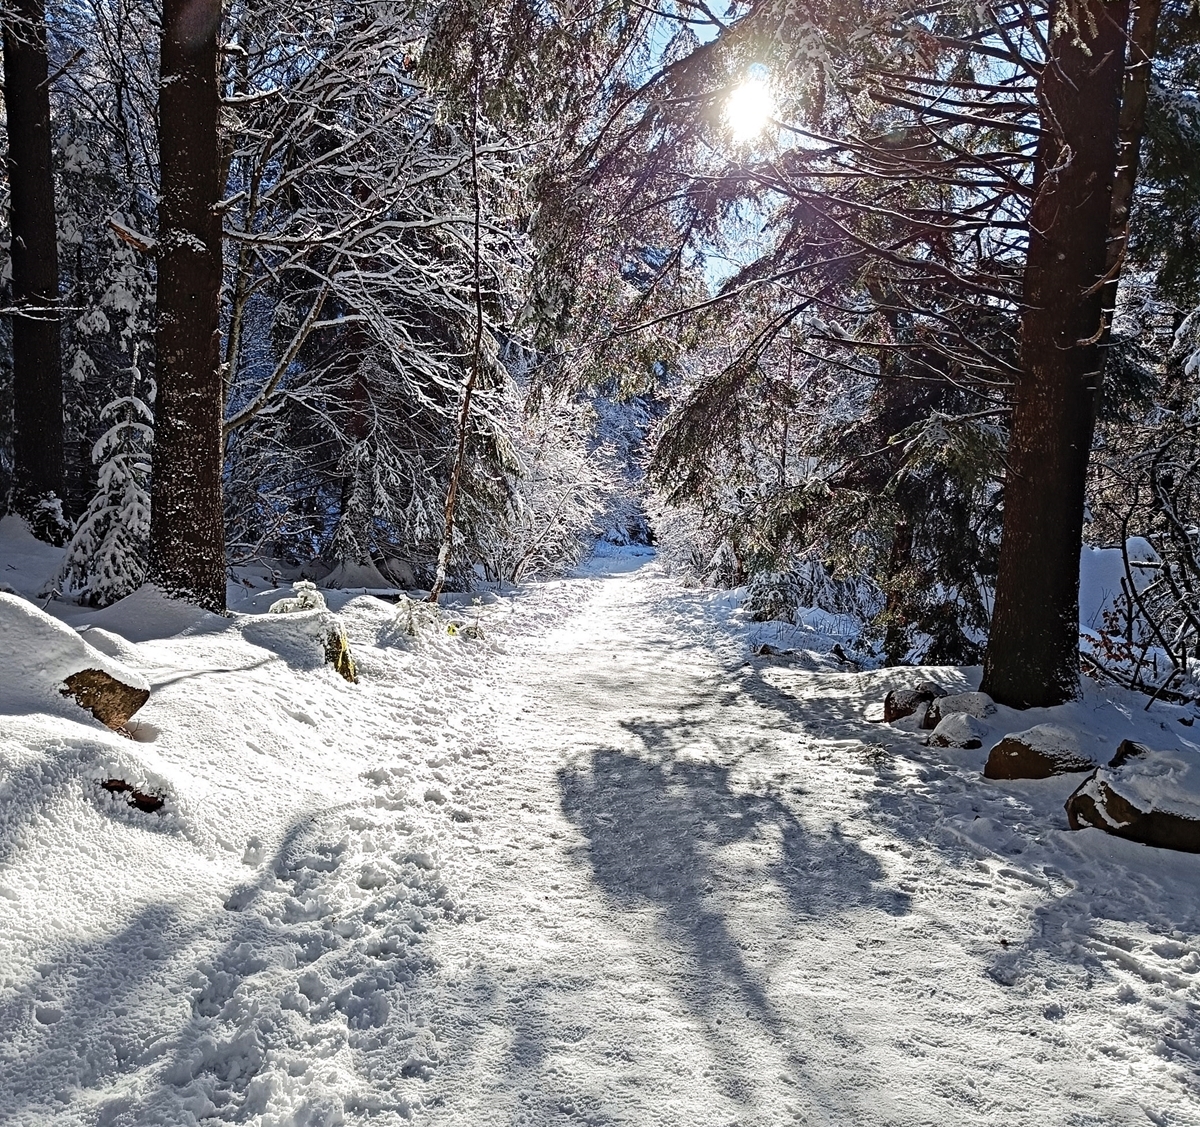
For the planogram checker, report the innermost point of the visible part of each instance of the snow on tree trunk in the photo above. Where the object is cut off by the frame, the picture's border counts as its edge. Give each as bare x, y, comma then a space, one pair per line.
1033, 651
187, 534
37, 350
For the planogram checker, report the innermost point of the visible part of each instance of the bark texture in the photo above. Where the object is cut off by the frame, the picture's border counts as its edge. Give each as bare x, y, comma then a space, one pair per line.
37, 350
187, 532
1033, 651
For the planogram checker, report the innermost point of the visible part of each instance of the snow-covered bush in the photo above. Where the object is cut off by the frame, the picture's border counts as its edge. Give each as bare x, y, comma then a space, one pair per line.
571, 484
307, 597
772, 597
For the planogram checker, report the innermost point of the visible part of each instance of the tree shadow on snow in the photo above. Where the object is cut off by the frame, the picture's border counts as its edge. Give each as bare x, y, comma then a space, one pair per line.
79, 1021
671, 832
162, 1020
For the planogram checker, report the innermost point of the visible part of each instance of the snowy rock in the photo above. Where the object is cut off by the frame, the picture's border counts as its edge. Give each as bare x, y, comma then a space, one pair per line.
959, 729
303, 632
1037, 753
110, 700
44, 658
1143, 795
904, 702
977, 705
1127, 750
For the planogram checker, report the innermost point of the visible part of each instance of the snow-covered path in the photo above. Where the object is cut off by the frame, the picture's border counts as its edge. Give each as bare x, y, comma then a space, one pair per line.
599, 867
708, 894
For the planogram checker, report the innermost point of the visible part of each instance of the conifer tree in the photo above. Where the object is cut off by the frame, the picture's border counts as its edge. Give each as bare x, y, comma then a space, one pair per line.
106, 557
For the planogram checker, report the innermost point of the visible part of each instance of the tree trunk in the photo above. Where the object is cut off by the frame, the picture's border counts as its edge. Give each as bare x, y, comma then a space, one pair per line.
1033, 651
187, 531
37, 351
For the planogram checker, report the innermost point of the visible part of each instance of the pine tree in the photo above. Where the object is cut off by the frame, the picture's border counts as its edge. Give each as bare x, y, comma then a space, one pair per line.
106, 557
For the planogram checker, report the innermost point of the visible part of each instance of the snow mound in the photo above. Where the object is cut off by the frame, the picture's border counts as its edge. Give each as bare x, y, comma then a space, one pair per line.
149, 614
38, 653
30, 565
1102, 573
354, 577
299, 637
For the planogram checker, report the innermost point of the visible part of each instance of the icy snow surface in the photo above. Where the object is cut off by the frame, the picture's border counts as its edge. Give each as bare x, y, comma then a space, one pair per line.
596, 866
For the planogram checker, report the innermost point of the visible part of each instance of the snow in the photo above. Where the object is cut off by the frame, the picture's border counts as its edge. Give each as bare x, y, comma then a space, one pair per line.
38, 653
596, 864
1050, 739
1158, 780
1102, 575
25, 562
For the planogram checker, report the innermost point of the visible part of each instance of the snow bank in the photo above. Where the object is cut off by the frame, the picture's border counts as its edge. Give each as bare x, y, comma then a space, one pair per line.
26, 564
1101, 575
38, 653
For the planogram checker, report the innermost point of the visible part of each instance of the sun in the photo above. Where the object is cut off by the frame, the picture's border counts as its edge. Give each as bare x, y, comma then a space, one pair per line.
749, 108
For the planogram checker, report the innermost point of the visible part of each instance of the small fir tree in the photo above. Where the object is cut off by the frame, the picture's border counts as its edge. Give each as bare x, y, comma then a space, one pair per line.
106, 558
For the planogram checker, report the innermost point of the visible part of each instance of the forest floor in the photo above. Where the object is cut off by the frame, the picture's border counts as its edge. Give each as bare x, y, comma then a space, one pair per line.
599, 865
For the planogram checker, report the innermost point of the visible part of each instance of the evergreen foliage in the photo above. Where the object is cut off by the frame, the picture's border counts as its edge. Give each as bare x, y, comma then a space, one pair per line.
106, 557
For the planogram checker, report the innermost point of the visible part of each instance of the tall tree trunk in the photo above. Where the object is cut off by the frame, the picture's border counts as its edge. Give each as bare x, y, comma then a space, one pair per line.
187, 530
1033, 651
37, 351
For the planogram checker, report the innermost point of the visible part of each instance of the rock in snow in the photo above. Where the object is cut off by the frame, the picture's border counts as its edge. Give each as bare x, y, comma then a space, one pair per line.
977, 705
108, 699
904, 702
959, 729
44, 658
1037, 753
1144, 795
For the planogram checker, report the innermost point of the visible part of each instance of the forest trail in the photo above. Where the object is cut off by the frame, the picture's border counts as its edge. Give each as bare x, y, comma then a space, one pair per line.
591, 863
706, 894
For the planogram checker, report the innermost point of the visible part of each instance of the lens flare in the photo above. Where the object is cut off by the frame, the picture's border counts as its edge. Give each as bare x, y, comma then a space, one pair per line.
749, 108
